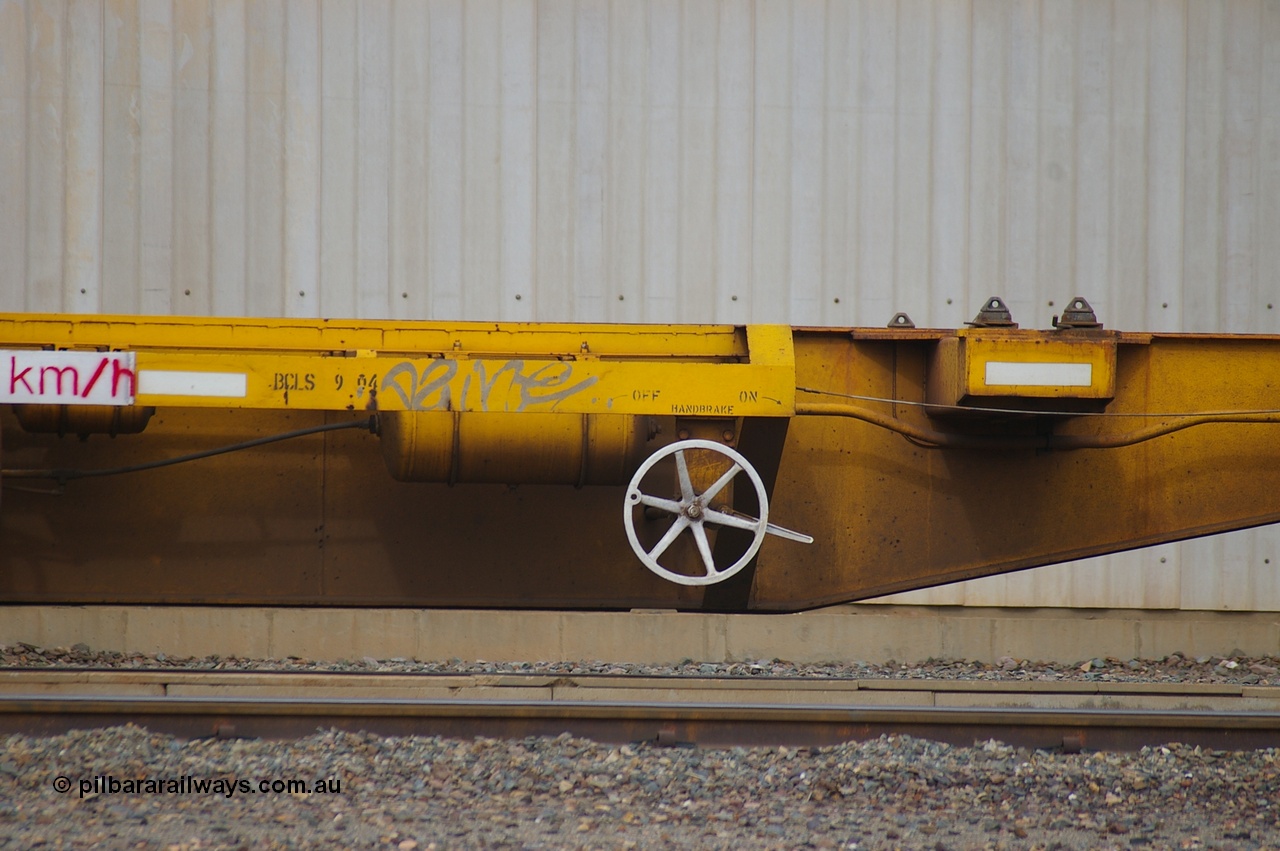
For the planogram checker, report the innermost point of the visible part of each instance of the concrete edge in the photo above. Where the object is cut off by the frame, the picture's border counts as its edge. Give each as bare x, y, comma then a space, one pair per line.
875, 634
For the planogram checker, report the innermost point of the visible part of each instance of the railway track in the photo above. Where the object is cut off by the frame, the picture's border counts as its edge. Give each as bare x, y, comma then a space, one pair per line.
710, 712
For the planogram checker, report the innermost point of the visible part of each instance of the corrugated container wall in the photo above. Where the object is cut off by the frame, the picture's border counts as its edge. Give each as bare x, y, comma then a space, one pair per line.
801, 162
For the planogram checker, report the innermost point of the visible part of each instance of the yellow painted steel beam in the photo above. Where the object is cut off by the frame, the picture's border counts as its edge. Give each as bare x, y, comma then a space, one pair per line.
716, 371
908, 459
899, 498
375, 337
452, 384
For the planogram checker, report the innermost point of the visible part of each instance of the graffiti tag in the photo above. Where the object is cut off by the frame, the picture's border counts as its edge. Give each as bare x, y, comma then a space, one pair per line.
513, 386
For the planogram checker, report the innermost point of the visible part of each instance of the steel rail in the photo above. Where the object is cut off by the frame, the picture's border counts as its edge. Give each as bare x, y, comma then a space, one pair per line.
69, 677
710, 723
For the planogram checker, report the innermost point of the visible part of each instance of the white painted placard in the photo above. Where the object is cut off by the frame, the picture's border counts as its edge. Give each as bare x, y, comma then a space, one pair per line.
172, 382
67, 378
1023, 374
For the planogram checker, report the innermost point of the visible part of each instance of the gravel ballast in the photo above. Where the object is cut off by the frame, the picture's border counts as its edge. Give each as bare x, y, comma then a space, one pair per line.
426, 792
127, 787
1175, 668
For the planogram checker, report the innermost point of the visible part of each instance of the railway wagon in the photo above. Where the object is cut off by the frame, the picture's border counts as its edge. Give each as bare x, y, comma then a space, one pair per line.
757, 468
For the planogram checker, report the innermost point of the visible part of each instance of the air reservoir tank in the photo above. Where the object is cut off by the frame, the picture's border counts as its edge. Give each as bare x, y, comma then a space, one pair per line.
505, 448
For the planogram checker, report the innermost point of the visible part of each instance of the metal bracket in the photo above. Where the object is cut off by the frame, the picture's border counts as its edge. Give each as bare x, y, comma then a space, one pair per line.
1079, 314
994, 314
901, 320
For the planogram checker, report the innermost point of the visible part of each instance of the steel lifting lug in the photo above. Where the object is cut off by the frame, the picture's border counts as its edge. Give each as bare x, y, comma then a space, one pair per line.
994, 314
901, 320
1079, 314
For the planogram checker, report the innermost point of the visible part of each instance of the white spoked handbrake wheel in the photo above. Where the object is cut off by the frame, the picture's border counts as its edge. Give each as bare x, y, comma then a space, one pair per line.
692, 512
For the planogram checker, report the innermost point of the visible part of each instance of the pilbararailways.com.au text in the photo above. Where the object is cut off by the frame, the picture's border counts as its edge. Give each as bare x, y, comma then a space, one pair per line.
227, 787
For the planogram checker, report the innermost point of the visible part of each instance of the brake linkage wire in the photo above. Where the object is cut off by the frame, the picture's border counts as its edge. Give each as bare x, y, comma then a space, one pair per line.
64, 476
927, 437
986, 410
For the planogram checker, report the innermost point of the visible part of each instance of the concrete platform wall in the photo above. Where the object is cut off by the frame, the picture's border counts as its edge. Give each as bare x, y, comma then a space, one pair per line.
853, 633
